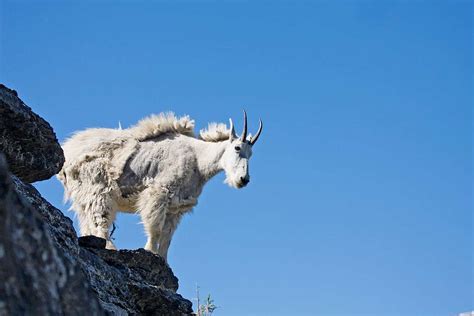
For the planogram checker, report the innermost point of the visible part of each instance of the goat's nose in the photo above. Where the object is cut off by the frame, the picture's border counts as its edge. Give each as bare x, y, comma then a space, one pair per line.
245, 180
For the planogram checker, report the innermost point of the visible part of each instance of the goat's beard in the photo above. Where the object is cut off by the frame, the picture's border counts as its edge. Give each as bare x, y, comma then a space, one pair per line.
232, 183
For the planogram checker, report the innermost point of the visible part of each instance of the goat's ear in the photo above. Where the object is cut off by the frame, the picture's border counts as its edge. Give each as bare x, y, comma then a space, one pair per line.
232, 135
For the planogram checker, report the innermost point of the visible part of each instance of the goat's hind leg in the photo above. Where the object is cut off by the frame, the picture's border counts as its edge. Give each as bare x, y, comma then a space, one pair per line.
86, 226
100, 215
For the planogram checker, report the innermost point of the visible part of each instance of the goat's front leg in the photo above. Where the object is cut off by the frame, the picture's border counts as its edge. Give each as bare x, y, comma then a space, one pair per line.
172, 221
153, 205
176, 209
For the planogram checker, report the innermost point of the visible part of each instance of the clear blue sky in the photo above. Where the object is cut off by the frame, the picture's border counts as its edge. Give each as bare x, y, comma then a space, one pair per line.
361, 194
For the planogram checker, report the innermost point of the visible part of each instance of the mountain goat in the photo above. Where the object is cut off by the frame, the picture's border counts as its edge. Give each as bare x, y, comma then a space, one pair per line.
156, 168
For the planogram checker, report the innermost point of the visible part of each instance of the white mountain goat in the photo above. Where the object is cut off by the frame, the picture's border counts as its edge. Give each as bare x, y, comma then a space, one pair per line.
156, 168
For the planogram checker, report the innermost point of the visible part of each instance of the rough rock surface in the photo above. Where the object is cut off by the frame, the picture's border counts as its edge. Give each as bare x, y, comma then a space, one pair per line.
44, 269
36, 277
28, 141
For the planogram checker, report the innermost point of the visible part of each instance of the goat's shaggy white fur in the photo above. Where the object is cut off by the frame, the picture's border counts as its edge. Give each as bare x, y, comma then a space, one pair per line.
215, 132
156, 168
156, 125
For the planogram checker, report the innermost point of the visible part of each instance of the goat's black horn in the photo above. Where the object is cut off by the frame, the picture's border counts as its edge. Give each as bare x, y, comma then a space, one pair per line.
243, 137
260, 127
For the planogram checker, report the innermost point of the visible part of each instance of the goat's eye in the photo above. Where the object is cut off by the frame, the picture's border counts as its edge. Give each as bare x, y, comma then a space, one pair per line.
237, 148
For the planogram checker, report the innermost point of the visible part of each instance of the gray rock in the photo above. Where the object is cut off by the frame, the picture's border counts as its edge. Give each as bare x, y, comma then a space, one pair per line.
36, 276
28, 141
134, 282
92, 242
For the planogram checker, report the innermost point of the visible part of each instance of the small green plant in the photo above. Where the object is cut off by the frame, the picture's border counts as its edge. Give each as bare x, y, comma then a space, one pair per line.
207, 308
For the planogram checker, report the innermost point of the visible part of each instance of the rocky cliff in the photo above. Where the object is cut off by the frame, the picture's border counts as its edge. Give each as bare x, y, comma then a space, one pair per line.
28, 141
45, 268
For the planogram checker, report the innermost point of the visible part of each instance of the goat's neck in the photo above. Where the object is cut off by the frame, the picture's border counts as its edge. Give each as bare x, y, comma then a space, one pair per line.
209, 155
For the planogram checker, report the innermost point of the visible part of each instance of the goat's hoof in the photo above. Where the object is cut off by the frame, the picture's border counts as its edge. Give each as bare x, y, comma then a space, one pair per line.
109, 245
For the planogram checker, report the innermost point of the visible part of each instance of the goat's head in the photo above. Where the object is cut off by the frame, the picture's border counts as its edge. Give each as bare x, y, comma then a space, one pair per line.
235, 159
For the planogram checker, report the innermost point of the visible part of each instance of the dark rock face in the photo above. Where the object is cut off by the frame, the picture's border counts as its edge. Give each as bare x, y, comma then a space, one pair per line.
134, 281
44, 268
92, 242
36, 277
27, 141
